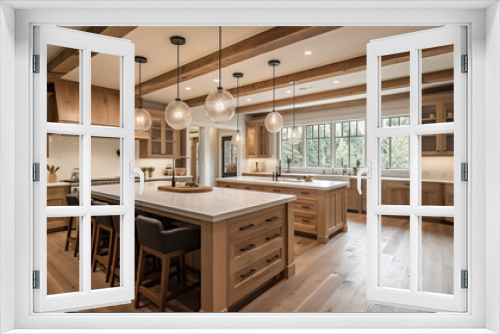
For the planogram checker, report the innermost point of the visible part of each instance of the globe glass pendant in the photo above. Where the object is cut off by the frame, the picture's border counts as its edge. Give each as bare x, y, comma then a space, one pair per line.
142, 119
274, 122
237, 139
296, 136
219, 106
178, 115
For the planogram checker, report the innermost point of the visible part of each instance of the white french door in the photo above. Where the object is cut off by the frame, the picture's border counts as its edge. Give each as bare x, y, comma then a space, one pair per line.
416, 249
79, 132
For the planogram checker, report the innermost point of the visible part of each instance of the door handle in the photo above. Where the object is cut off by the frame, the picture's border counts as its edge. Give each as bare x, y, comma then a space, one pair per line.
134, 170
367, 170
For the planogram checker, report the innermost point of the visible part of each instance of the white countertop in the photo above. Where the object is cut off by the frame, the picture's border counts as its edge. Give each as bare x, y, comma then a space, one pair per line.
406, 179
284, 182
58, 184
219, 204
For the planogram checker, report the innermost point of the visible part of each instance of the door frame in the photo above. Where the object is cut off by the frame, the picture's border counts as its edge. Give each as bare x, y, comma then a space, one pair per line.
476, 317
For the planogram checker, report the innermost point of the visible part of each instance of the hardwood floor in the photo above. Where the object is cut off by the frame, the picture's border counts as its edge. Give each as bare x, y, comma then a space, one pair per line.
329, 278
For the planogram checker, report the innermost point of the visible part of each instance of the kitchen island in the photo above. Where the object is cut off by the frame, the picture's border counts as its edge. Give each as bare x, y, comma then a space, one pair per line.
321, 206
246, 238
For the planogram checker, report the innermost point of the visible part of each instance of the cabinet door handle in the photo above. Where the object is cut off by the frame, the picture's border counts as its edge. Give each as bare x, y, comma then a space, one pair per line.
248, 274
305, 220
273, 237
228, 186
271, 219
276, 190
248, 188
274, 258
304, 193
246, 227
305, 207
247, 248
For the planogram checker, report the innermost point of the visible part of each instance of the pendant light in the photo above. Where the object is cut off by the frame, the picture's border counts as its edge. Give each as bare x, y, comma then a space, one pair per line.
219, 105
274, 120
142, 116
237, 139
295, 137
177, 113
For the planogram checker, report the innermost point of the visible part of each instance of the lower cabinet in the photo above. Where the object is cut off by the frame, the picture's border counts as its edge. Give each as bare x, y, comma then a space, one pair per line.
56, 196
320, 213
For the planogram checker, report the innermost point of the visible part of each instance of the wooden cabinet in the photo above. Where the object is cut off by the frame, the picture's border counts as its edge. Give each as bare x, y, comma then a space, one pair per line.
163, 142
56, 196
356, 203
438, 109
257, 139
320, 213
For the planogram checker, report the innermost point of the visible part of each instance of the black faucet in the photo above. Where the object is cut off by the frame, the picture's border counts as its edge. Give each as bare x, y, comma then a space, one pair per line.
278, 171
173, 169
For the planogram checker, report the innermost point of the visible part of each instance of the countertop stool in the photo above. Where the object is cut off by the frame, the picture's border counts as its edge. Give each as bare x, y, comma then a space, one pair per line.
73, 222
163, 242
103, 228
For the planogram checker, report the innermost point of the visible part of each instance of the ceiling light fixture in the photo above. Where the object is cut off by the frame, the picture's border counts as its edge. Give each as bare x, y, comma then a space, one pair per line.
219, 105
296, 137
237, 139
177, 113
188, 88
142, 116
336, 82
308, 53
274, 120
249, 99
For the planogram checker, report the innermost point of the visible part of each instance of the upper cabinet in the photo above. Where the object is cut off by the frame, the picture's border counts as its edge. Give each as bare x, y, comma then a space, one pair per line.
258, 139
164, 142
438, 109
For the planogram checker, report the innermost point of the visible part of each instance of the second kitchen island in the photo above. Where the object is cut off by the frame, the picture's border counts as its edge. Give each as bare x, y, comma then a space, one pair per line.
246, 238
321, 206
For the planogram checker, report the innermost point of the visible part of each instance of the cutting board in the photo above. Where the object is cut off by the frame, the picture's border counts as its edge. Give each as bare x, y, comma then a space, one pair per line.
184, 189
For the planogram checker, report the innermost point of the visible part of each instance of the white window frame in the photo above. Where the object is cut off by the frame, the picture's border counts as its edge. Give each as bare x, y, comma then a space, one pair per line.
16, 271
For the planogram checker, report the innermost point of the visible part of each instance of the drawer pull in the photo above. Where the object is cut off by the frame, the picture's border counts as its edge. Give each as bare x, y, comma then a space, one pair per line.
271, 219
273, 237
246, 227
228, 186
248, 274
276, 190
305, 221
248, 188
304, 193
274, 258
247, 248
305, 207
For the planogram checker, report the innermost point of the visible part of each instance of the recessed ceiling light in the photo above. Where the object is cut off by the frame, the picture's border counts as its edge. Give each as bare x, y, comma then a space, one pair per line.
289, 92
188, 88
308, 53
216, 80
249, 99
336, 82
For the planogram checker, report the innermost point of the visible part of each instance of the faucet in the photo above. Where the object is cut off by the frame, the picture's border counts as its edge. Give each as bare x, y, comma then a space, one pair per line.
173, 169
278, 171
344, 170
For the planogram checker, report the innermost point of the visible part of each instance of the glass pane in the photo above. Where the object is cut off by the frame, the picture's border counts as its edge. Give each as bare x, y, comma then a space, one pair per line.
404, 120
353, 128
298, 155
327, 130
395, 76
106, 251
63, 257
63, 168
345, 129
338, 129
309, 131
63, 87
394, 253
437, 255
449, 112
357, 152
386, 122
341, 152
394, 152
436, 78
105, 100
315, 131
105, 165
321, 131
229, 157
361, 128
400, 152
312, 152
395, 121
325, 152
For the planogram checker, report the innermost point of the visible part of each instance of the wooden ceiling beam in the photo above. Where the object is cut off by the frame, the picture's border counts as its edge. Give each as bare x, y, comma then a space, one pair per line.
432, 77
69, 59
332, 70
269, 40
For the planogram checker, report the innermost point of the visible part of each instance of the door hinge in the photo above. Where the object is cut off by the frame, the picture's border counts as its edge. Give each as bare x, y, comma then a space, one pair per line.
464, 171
465, 64
465, 279
36, 172
36, 279
36, 63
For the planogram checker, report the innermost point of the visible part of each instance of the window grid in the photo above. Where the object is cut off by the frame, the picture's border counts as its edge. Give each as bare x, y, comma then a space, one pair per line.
350, 132
389, 161
319, 135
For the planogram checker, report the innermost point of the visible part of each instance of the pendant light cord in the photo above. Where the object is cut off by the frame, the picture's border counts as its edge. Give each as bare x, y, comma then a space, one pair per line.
178, 72
220, 56
293, 106
274, 88
237, 100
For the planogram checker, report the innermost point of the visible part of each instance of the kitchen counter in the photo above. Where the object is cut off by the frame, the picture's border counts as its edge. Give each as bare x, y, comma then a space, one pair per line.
246, 237
58, 184
285, 181
405, 179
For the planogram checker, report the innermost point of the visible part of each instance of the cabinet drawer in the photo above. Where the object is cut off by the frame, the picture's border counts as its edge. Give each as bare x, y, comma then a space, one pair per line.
257, 222
306, 194
305, 221
253, 247
305, 206
57, 192
245, 278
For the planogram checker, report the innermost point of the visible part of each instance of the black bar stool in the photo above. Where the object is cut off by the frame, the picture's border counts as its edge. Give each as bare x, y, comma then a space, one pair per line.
103, 230
73, 200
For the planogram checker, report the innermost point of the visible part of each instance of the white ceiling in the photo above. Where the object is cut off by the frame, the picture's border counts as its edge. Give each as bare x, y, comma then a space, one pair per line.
334, 46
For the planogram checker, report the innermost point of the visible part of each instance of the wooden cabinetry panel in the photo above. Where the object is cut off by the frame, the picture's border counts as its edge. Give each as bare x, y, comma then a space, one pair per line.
163, 141
257, 139
432, 193
56, 196
438, 109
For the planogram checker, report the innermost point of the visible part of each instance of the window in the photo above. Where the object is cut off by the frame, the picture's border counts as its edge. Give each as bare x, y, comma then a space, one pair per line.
291, 154
319, 145
395, 151
350, 144
229, 157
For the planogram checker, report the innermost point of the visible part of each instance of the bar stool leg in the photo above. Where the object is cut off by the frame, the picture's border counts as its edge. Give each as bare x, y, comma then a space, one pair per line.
165, 273
116, 253
110, 254
96, 247
77, 240
68, 234
140, 274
